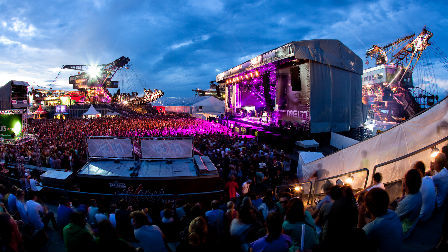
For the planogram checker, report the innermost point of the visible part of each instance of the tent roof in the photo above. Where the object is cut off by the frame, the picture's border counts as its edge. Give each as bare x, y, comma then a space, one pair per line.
112, 113
40, 110
308, 157
91, 111
330, 52
211, 104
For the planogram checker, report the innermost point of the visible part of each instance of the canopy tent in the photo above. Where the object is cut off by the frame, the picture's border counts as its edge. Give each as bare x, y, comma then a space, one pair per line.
91, 113
209, 105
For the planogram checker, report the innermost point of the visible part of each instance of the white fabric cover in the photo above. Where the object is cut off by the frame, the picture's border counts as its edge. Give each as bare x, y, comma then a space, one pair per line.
308, 143
210, 105
341, 142
91, 111
178, 148
335, 99
110, 148
412, 135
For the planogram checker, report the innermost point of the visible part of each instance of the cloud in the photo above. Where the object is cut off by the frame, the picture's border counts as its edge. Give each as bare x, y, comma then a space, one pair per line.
182, 44
190, 42
20, 27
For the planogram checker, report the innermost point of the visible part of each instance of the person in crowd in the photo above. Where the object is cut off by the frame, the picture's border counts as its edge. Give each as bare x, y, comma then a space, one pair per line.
384, 233
377, 178
297, 227
124, 224
197, 237
76, 236
91, 211
215, 221
20, 202
38, 215
11, 201
107, 239
440, 178
230, 214
341, 226
10, 237
274, 241
244, 228
63, 213
408, 209
231, 186
245, 188
101, 214
326, 187
268, 205
149, 237
321, 219
428, 191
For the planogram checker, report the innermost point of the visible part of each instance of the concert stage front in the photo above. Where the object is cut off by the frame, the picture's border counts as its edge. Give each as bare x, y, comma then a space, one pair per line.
314, 84
170, 176
165, 166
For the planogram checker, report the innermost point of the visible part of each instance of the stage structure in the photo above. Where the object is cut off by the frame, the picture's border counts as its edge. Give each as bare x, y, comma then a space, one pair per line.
14, 95
313, 83
117, 163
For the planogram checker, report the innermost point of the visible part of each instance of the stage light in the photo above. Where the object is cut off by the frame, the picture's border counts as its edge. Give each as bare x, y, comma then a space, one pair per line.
17, 128
257, 73
94, 71
297, 189
434, 152
349, 180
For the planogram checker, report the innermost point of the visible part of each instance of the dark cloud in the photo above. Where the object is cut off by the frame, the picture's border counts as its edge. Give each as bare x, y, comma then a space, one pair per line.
180, 45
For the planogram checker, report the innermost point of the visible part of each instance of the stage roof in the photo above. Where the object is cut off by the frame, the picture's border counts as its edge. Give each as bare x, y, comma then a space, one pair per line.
325, 51
149, 169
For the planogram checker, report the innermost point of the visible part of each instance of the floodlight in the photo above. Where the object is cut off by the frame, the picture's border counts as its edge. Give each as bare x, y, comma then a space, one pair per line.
94, 71
17, 128
434, 152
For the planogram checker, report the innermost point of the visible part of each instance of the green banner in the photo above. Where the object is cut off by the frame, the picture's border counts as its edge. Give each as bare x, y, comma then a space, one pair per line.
10, 125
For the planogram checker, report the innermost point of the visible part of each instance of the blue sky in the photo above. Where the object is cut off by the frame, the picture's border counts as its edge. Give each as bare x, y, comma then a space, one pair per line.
177, 46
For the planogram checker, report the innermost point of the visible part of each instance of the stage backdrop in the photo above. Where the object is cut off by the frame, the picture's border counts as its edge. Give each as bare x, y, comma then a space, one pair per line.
110, 147
164, 148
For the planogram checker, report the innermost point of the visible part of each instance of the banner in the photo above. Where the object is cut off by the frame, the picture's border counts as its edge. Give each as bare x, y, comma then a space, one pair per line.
110, 147
164, 148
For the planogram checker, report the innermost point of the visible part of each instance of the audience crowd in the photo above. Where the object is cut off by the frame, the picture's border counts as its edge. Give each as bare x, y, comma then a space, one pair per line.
254, 214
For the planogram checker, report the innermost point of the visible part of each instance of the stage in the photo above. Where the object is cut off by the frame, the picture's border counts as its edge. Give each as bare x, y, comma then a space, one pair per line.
171, 176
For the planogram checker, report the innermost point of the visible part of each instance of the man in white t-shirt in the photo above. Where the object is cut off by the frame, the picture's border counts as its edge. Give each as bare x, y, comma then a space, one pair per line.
428, 191
38, 216
149, 237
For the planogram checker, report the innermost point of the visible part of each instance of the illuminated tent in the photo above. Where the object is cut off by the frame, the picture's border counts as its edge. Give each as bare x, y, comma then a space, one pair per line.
39, 112
91, 113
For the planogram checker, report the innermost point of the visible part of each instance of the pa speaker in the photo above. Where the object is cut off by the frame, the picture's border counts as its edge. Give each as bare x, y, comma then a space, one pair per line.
296, 83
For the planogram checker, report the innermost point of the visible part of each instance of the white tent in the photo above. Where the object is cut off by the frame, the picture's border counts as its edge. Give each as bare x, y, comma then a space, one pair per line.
305, 158
209, 105
91, 113
394, 151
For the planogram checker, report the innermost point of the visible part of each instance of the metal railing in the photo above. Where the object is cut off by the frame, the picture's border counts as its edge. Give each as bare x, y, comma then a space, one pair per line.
311, 195
427, 147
